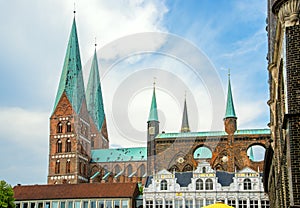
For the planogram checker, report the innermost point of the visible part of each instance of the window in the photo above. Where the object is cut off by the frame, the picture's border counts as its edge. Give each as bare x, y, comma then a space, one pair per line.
92, 142
169, 204
80, 167
57, 167
209, 184
242, 203
129, 170
32, 205
149, 204
40, 205
117, 204
84, 169
178, 203
199, 184
231, 202
54, 204
93, 204
108, 204
159, 204
58, 146
17, 205
142, 171
163, 185
70, 204
253, 203
199, 203
25, 205
47, 205
62, 204
100, 204
69, 126
77, 204
203, 170
189, 203
247, 184
125, 203
68, 145
209, 201
59, 127
85, 204
265, 204
68, 166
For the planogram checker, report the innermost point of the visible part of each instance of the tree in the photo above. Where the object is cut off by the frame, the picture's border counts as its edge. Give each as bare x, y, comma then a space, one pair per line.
6, 195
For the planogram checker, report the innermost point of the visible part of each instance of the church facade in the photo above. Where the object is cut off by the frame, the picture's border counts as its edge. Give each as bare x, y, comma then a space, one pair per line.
79, 142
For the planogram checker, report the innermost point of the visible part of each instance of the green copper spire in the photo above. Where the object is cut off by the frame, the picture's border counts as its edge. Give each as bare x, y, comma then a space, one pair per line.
251, 154
153, 110
230, 113
185, 122
71, 80
94, 95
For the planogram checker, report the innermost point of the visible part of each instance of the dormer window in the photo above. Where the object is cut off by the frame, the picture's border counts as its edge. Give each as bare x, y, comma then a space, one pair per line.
59, 127
247, 184
163, 185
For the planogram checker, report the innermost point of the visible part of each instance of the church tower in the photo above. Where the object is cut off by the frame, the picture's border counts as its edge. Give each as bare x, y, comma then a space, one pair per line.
99, 136
69, 140
152, 131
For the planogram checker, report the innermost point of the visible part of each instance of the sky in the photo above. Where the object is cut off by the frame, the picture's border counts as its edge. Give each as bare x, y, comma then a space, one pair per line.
185, 47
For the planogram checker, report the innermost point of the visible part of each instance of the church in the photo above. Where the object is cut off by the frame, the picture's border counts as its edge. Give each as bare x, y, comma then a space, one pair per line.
79, 142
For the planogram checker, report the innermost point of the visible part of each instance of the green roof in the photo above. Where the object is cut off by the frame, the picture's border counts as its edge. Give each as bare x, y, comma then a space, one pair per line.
230, 112
212, 133
119, 154
153, 110
71, 80
94, 95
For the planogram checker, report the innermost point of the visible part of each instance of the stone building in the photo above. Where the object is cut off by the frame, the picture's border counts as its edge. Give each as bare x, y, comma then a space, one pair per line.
281, 173
205, 186
79, 143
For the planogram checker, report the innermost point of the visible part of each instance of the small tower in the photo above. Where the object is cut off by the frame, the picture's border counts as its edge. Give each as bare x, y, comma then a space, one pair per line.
99, 136
152, 131
69, 140
185, 122
230, 117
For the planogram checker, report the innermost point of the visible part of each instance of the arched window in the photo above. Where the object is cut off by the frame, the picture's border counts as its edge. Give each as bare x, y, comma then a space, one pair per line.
68, 166
129, 170
59, 127
199, 184
163, 185
80, 167
188, 167
68, 145
247, 184
69, 129
142, 171
209, 184
57, 167
58, 146
203, 170
84, 172
92, 142
117, 169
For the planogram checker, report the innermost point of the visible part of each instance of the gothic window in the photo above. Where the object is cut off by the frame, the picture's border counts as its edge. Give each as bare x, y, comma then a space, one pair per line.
59, 127
199, 184
142, 170
92, 142
57, 167
69, 126
247, 184
68, 145
117, 169
187, 168
80, 167
129, 170
84, 169
58, 146
68, 166
209, 184
163, 185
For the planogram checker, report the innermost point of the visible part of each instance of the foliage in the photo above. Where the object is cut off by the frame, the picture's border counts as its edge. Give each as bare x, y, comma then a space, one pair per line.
6, 195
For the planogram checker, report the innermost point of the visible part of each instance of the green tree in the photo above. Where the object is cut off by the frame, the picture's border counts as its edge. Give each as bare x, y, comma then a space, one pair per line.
6, 195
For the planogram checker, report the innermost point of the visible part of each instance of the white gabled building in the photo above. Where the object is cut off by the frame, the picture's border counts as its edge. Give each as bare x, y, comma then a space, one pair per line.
204, 186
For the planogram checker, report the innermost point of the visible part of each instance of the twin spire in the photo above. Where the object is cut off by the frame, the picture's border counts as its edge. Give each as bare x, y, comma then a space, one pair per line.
71, 82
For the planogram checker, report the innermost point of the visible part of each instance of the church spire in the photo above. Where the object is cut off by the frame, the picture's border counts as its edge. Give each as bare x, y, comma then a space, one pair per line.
185, 122
251, 154
153, 116
230, 112
94, 95
71, 80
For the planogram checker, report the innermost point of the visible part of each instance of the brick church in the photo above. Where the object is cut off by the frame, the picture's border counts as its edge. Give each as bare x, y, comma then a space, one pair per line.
79, 142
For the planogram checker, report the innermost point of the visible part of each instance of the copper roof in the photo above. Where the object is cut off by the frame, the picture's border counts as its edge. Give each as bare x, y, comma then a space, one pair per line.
76, 191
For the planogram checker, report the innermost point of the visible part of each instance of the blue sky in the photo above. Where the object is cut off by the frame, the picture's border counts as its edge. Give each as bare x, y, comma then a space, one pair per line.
33, 39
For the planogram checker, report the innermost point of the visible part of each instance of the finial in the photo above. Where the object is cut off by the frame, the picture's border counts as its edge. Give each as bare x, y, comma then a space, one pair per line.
228, 72
185, 94
154, 83
74, 11
95, 42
